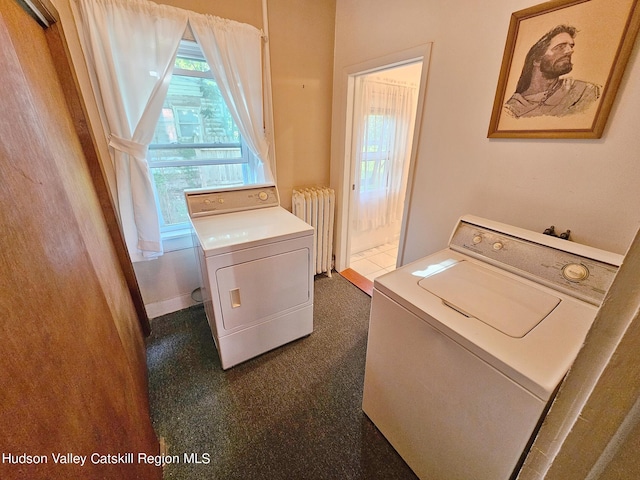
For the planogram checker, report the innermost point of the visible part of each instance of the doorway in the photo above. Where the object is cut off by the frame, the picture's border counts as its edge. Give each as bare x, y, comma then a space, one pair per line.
384, 105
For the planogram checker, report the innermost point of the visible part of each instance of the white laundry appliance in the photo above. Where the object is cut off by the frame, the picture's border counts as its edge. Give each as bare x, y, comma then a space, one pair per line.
256, 264
467, 346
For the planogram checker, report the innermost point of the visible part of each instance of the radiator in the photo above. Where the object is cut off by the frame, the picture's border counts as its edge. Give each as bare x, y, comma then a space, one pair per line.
316, 206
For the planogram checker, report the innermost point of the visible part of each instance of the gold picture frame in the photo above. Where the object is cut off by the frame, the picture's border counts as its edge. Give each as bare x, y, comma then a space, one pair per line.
562, 65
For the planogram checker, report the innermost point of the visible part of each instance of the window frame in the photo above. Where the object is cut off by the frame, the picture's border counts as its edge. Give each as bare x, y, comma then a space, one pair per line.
190, 51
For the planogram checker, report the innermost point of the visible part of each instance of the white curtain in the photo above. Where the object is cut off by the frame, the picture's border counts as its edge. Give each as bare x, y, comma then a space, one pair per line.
130, 46
384, 121
234, 52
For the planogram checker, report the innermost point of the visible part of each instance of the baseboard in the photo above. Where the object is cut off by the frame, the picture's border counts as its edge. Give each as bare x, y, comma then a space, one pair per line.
170, 305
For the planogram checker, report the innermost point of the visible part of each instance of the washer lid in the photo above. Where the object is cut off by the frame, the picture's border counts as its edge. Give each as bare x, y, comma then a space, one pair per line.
505, 304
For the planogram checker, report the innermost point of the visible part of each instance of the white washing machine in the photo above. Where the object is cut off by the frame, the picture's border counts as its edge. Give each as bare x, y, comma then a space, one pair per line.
256, 265
467, 346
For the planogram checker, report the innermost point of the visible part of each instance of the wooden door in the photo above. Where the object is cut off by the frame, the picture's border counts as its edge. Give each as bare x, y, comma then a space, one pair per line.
72, 356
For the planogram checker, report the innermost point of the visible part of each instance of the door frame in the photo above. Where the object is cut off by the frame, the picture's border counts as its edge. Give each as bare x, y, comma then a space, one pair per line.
343, 213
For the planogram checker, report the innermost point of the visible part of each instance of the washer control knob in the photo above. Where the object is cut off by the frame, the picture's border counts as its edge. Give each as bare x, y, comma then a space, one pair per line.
263, 196
575, 272
498, 246
477, 239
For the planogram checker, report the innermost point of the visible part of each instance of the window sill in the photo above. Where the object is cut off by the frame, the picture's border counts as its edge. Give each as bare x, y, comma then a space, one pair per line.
177, 240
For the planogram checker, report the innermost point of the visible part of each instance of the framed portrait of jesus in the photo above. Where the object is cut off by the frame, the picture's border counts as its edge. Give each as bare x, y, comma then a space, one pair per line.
562, 65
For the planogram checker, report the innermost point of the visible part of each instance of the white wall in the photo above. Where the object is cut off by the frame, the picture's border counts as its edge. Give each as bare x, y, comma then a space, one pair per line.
167, 284
588, 186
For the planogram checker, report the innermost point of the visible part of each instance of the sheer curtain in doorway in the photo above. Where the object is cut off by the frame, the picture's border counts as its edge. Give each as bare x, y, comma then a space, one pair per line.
384, 120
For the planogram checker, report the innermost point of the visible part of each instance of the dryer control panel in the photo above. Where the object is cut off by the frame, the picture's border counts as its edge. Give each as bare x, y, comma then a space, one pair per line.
202, 202
577, 270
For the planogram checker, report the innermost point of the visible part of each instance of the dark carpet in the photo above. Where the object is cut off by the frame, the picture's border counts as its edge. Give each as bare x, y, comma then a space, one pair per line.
292, 413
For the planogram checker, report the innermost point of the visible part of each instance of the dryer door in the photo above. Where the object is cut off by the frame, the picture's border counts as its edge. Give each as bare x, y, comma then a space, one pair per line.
259, 289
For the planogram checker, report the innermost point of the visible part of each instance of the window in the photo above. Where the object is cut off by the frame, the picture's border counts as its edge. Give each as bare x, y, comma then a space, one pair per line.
196, 141
375, 152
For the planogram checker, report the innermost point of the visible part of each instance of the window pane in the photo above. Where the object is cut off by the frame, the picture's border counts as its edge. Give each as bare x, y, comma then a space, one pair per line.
195, 112
378, 133
375, 150
191, 155
192, 64
189, 124
166, 128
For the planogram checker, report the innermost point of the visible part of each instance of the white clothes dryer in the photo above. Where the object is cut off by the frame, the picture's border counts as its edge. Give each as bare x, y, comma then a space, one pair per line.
467, 346
255, 260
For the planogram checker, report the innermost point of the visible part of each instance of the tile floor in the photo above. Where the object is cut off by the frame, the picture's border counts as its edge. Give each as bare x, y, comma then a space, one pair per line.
375, 261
